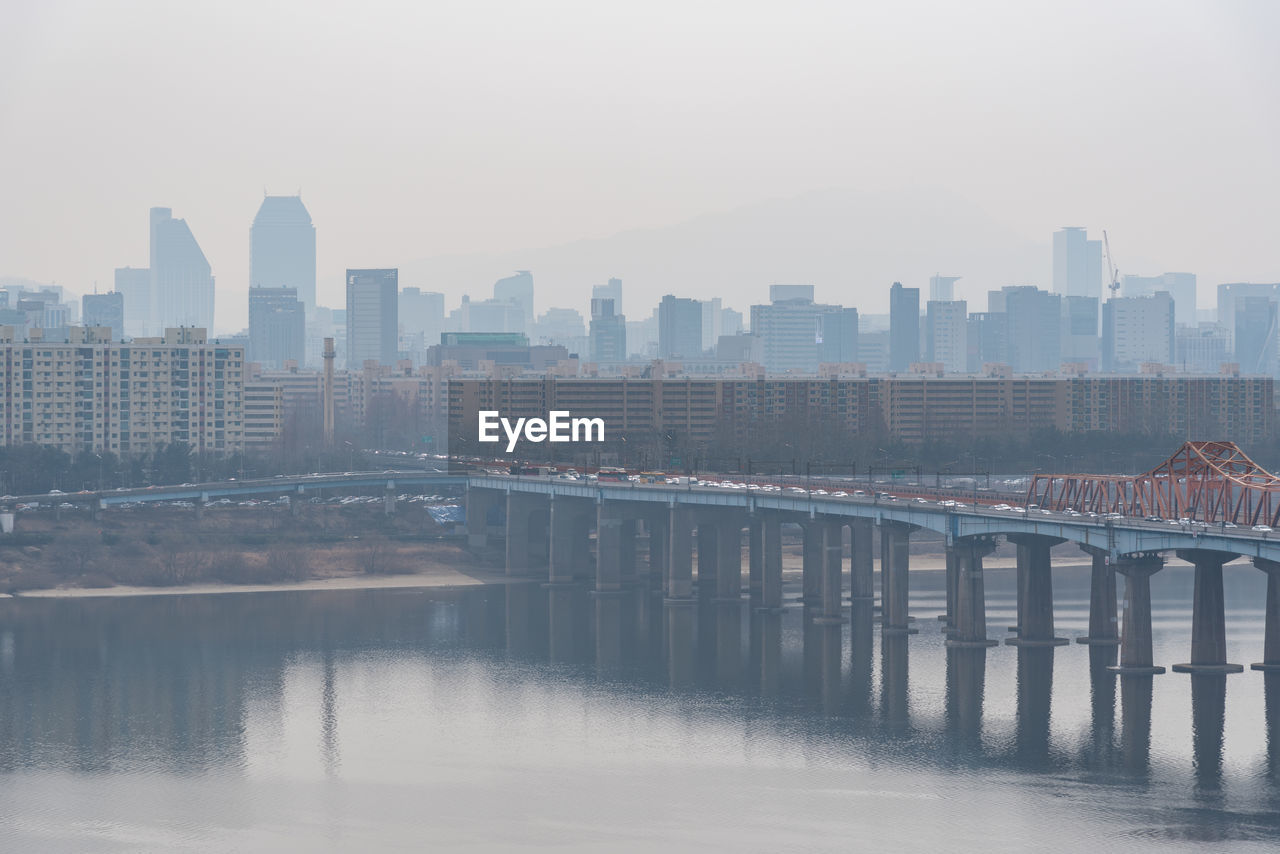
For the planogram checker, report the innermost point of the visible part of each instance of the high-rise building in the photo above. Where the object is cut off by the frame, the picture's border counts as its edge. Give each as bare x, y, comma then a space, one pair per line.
1202, 348
134, 284
1137, 330
488, 315
516, 289
422, 315
1255, 334
608, 332
1080, 331
712, 312
372, 316
1180, 286
838, 328
1077, 263
904, 327
612, 290
778, 293
277, 327
282, 248
679, 328
986, 339
1034, 327
790, 329
181, 279
942, 288
1230, 294
104, 310
947, 339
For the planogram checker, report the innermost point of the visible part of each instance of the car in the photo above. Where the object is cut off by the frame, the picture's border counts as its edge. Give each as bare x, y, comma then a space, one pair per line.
1000, 507
56, 492
1018, 509
1230, 525
840, 494
1154, 519
1262, 529
820, 492
795, 489
921, 500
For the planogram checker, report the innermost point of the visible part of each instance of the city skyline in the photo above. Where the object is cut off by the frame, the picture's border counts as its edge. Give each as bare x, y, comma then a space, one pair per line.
1075, 149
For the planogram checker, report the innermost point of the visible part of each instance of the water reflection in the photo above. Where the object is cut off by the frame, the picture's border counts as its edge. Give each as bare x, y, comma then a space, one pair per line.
185, 685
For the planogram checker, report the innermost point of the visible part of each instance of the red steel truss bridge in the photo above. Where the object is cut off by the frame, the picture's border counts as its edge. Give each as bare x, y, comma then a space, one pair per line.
1213, 482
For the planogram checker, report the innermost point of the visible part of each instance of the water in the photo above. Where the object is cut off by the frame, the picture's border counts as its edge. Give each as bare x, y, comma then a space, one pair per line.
495, 719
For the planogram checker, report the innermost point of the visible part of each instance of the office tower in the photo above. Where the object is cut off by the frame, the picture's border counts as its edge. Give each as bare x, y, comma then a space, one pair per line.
608, 332
1080, 342
1077, 263
1230, 294
134, 284
778, 293
1034, 329
679, 328
181, 279
730, 322
1137, 330
1180, 286
488, 315
516, 289
277, 327
104, 310
1255, 334
422, 314
947, 336
559, 326
613, 291
1202, 348
839, 335
904, 327
789, 328
642, 336
712, 309
282, 248
986, 339
372, 316
942, 288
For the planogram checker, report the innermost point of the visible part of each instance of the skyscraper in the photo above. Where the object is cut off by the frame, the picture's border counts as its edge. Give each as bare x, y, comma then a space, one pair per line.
282, 248
839, 335
372, 316
608, 332
134, 283
104, 310
904, 327
422, 313
1034, 320
942, 288
1137, 330
679, 328
181, 279
1077, 263
517, 289
947, 340
277, 327
612, 290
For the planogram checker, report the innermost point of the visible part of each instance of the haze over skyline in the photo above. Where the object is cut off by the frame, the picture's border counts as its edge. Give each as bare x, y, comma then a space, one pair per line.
477, 132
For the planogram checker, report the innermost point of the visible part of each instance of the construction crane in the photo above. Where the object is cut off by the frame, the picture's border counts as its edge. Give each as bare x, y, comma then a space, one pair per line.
1114, 284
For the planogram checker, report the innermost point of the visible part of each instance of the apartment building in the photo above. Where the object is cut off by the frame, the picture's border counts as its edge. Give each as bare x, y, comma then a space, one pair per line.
84, 392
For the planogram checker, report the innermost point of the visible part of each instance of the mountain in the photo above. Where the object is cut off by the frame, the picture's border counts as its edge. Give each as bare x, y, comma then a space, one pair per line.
850, 244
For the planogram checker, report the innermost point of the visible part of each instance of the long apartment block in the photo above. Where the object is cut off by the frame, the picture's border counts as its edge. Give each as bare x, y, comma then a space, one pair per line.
88, 393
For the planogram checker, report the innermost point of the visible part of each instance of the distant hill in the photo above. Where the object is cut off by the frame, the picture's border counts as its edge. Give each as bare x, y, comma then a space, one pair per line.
851, 245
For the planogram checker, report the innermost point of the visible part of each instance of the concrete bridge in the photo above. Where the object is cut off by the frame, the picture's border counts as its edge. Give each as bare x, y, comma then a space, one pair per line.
548, 523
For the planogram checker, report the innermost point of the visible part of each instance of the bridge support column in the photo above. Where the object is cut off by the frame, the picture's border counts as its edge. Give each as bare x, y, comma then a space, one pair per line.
680, 562
729, 557
1035, 605
771, 588
862, 583
832, 572
948, 618
626, 549
811, 566
518, 509
1208, 615
755, 559
659, 550
1103, 626
708, 557
1271, 637
1135, 630
608, 548
389, 501
478, 503
567, 535
970, 609
895, 590
199, 508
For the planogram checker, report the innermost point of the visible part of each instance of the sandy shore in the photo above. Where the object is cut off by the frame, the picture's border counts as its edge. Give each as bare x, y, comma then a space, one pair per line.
437, 577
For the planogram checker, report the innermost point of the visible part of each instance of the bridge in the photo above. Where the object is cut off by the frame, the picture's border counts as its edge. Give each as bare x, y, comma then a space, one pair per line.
547, 523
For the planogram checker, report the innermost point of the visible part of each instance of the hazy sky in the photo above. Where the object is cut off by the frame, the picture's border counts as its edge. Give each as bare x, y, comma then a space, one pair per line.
426, 128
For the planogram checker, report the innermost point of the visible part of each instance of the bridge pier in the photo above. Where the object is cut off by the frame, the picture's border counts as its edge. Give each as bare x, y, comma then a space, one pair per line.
680, 561
832, 571
771, 580
1271, 637
627, 549
729, 557
895, 563
479, 501
948, 618
659, 528
811, 566
519, 506
1103, 625
569, 549
755, 559
1035, 604
970, 592
608, 548
708, 557
1135, 630
862, 582
1208, 615
389, 500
